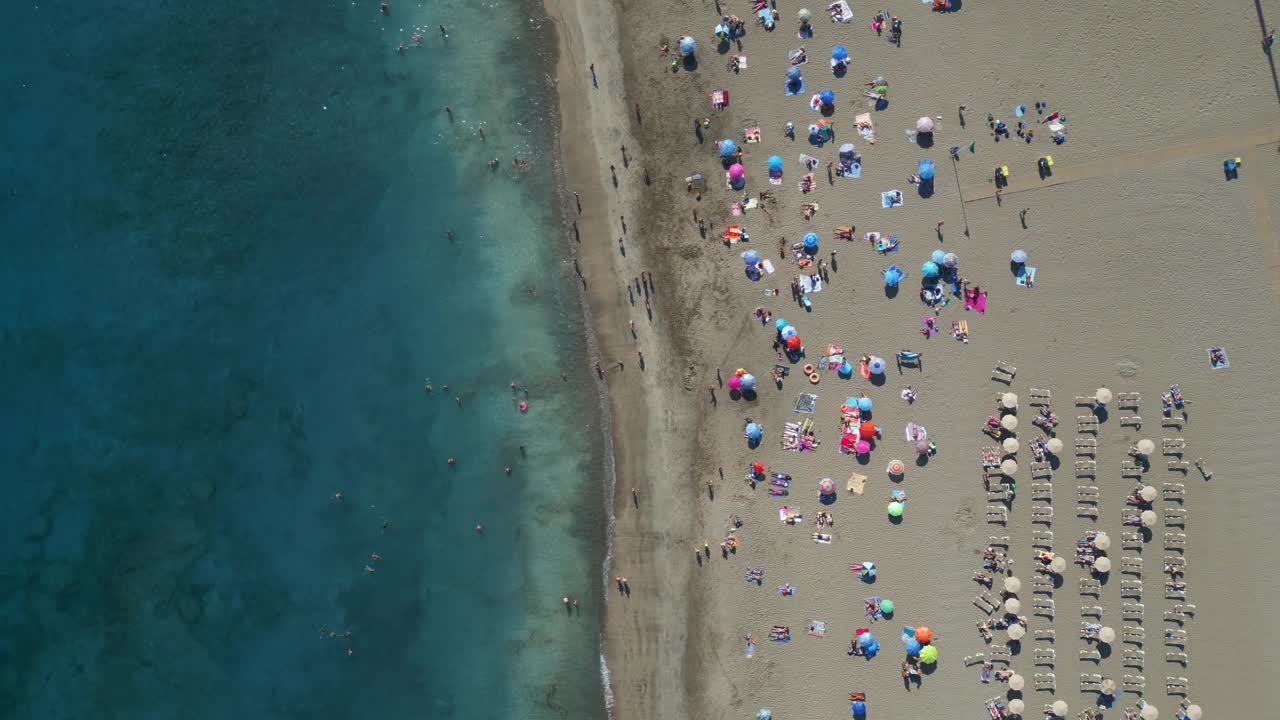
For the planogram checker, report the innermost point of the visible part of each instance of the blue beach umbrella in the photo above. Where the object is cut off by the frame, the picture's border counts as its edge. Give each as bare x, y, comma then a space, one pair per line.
893, 275
780, 324
828, 97
811, 241
925, 169
788, 331
688, 45
929, 269
764, 714
938, 256
722, 31
728, 148
865, 639
754, 432
775, 164
840, 53
859, 708
751, 258
877, 365
748, 381
864, 404
793, 74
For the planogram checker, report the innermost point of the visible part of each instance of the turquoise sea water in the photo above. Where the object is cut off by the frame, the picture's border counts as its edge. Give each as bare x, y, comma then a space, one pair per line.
225, 279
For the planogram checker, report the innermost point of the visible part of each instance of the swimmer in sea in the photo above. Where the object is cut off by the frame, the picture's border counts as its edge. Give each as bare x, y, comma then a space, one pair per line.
479, 529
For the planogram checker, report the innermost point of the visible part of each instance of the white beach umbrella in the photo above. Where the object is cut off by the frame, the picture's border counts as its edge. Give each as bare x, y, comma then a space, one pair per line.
1059, 708
1012, 584
1149, 712
1102, 541
1013, 606
950, 260
1009, 400
1194, 712
1016, 631
1016, 706
1103, 395
804, 15
1018, 256
1146, 447
924, 125
1149, 518
1107, 635
1102, 565
1017, 682
1009, 422
1009, 467
1055, 445
1058, 564
1147, 493
1108, 687
1010, 445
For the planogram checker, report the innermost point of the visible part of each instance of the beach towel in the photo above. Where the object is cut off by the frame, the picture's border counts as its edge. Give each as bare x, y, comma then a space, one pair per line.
784, 513
866, 128
976, 301
1221, 364
720, 99
806, 403
793, 88
822, 538
793, 54
775, 178
891, 199
768, 266
857, 483
808, 161
751, 648
854, 170
752, 134
751, 204
810, 283
766, 18
840, 12
1026, 278
818, 628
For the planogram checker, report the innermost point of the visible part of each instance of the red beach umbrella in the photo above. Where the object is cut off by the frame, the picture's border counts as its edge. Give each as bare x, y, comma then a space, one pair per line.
758, 468
867, 430
793, 342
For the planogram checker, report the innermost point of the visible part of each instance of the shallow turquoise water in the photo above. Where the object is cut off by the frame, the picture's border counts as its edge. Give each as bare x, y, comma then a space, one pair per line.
225, 280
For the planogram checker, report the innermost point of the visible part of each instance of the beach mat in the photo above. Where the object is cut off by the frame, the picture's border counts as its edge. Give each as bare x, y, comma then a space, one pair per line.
886, 199
1026, 278
857, 483
1222, 365
793, 89
810, 283
806, 403
854, 171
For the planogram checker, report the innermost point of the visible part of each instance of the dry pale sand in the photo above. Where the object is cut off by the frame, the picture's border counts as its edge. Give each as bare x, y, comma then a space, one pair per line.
1146, 257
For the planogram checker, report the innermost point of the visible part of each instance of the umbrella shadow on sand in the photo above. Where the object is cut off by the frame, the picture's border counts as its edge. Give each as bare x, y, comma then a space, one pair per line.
690, 62
922, 459
878, 379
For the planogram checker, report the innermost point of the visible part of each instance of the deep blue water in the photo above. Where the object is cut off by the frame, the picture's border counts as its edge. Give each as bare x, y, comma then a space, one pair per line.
225, 278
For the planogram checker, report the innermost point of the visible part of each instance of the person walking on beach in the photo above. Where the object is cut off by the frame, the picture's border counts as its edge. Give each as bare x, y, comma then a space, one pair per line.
1268, 40
594, 83
578, 201
1022, 216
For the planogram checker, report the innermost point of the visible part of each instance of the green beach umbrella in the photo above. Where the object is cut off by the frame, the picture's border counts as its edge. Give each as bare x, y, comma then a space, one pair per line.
886, 607
971, 145
895, 509
929, 654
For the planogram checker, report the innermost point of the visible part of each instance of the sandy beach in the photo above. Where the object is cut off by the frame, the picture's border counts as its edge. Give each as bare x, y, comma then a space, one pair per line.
1146, 255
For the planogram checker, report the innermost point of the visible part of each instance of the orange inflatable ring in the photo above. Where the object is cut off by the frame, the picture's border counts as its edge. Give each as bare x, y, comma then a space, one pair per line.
813, 378
808, 369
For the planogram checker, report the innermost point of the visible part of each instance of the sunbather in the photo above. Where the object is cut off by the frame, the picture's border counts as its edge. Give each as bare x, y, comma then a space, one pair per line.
982, 579
1089, 631
798, 56
1131, 520
1045, 557
1176, 571
1002, 675
984, 630
1176, 586
856, 696
985, 675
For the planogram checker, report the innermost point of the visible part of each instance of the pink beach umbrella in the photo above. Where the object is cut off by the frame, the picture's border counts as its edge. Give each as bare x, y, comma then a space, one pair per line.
922, 447
734, 382
736, 171
862, 447
826, 486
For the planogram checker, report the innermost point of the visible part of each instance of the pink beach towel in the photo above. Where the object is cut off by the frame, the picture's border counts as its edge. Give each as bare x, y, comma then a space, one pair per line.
976, 301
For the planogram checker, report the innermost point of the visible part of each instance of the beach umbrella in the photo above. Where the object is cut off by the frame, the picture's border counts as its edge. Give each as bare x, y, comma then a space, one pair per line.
813, 131
893, 275
722, 31
775, 164
864, 404
1009, 422
1013, 606
1147, 493
847, 150
1102, 541
929, 654
827, 97
896, 467
1059, 708
886, 607
793, 74
1102, 564
748, 381
764, 713
1010, 445
868, 569
687, 45
950, 260
1016, 631
826, 486
1148, 518
804, 15
859, 708
1016, 705
1193, 712
1107, 635
1149, 712
1009, 401
1058, 564
736, 171
1146, 447
914, 646
922, 447
840, 53
1103, 396
867, 430
877, 365
862, 447
1012, 584
895, 509
825, 123
751, 258
1009, 467
793, 342
924, 125
925, 170
924, 634
780, 323
930, 269
754, 431
788, 331
728, 148
1019, 256
1055, 445
1017, 682
757, 468
938, 256
811, 241
1108, 687
734, 382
